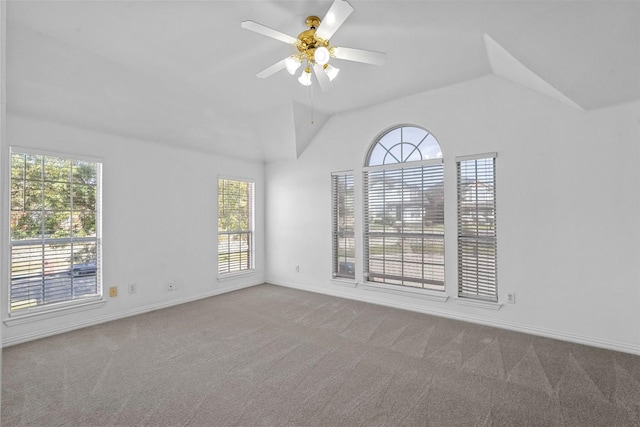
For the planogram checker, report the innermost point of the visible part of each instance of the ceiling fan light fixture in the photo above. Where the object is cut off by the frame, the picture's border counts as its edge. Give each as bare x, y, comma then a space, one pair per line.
292, 63
331, 71
314, 49
322, 55
305, 77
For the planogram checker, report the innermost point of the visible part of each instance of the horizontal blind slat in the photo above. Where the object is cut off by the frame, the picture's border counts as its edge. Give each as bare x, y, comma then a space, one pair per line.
55, 219
477, 241
235, 225
404, 217
343, 221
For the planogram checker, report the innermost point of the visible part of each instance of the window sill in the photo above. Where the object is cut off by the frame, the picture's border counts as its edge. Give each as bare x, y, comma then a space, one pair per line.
22, 318
350, 283
406, 291
489, 305
235, 275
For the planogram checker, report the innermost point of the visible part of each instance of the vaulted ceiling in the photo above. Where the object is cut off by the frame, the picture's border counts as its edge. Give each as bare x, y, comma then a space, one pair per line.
184, 72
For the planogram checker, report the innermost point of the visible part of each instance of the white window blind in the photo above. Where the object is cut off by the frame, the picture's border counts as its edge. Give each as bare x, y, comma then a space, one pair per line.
477, 237
404, 225
235, 226
343, 253
55, 230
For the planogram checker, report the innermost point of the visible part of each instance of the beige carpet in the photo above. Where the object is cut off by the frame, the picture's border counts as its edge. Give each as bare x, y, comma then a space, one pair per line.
272, 356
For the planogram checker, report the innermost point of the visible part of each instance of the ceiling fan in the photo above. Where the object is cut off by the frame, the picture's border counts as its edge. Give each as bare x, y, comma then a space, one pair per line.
313, 48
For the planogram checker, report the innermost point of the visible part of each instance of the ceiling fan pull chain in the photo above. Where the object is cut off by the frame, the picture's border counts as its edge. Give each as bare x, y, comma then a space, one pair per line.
310, 92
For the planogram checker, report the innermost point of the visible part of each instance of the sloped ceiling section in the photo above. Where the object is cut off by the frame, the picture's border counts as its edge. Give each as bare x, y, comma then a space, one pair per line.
505, 65
52, 80
184, 72
285, 132
308, 124
275, 131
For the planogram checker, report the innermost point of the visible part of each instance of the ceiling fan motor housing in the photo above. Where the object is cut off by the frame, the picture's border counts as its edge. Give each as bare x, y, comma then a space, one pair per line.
307, 40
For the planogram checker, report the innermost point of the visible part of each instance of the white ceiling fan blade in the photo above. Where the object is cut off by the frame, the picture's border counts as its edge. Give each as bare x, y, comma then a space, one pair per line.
272, 69
359, 55
323, 79
335, 17
269, 32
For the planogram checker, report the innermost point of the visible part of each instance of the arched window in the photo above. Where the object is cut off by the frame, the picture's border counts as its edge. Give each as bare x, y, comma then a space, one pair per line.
404, 144
404, 209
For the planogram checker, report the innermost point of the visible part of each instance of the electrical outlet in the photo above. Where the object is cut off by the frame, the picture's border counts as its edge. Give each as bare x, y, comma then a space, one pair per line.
133, 288
173, 286
297, 269
113, 291
511, 298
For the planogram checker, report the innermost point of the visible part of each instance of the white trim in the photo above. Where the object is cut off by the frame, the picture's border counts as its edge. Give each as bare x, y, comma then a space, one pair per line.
405, 165
43, 333
479, 303
405, 290
336, 186
344, 282
251, 231
20, 318
491, 155
235, 178
338, 292
235, 274
60, 154
67, 306
5, 169
371, 297
390, 129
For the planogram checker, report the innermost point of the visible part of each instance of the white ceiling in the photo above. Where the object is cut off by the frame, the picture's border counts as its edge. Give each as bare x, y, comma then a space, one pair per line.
183, 72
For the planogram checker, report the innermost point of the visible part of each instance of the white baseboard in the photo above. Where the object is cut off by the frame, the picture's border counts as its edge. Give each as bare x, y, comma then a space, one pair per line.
372, 297
337, 291
43, 333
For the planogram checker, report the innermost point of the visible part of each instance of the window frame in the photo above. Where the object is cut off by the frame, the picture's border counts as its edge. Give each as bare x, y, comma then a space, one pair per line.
250, 232
29, 310
477, 274
429, 280
341, 227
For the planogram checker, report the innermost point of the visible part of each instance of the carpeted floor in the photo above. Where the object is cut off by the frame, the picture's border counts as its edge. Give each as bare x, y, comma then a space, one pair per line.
272, 356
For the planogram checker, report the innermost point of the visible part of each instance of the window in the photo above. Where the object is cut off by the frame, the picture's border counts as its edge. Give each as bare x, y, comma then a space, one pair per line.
55, 230
404, 210
477, 227
235, 226
343, 222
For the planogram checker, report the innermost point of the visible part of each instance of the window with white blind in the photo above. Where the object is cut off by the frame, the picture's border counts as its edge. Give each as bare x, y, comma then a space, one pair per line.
55, 230
235, 226
343, 253
477, 238
404, 210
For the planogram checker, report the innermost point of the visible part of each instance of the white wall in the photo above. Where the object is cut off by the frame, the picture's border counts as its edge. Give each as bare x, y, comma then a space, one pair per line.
568, 198
159, 221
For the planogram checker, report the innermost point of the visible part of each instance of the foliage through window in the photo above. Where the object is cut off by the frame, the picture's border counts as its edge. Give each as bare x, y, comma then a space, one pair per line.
343, 224
404, 210
477, 246
55, 232
235, 226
